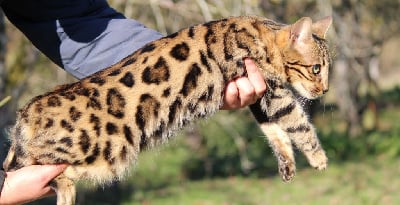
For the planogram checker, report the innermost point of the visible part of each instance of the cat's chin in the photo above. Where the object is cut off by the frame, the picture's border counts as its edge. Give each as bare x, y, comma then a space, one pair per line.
300, 89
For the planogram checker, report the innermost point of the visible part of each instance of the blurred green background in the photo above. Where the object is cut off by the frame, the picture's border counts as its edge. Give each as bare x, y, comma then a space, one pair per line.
225, 159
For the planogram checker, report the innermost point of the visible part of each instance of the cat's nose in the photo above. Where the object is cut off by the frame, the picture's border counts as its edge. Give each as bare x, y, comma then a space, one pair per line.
325, 90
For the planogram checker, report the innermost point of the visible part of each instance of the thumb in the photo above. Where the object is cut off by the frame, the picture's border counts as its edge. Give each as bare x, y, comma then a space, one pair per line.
49, 172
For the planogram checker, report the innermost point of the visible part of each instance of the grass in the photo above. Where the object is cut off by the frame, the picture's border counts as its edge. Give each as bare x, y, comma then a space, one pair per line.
374, 181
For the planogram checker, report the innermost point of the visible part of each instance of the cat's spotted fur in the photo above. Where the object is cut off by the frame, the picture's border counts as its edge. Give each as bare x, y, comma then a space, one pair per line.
100, 124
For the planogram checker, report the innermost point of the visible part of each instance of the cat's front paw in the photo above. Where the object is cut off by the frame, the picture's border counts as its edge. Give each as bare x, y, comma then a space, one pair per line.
287, 169
318, 160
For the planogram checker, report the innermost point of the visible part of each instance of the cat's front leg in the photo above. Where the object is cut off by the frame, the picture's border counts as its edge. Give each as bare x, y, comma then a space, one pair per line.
287, 112
303, 135
282, 148
278, 141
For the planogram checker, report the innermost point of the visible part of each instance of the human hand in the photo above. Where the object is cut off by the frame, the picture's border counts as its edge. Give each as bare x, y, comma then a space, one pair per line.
29, 183
245, 90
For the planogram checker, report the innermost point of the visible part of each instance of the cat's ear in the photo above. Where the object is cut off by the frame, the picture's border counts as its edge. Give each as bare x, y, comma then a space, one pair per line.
320, 27
301, 31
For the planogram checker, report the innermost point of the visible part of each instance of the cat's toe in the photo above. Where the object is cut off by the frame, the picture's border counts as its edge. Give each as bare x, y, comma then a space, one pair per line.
319, 161
287, 171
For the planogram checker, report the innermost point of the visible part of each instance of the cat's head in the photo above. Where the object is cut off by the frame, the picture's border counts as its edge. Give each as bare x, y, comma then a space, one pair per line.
306, 56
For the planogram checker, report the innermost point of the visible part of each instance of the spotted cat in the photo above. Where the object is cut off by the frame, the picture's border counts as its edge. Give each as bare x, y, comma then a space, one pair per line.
100, 124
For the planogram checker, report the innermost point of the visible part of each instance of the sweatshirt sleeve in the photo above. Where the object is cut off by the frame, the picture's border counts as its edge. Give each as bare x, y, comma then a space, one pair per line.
81, 36
2, 178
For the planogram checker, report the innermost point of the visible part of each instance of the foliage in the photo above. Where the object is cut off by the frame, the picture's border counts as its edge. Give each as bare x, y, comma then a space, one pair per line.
356, 183
4, 101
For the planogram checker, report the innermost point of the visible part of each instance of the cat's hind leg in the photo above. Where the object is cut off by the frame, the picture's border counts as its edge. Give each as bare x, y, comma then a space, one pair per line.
65, 189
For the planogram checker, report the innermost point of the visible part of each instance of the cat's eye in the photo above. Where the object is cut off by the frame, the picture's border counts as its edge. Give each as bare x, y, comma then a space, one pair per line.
316, 69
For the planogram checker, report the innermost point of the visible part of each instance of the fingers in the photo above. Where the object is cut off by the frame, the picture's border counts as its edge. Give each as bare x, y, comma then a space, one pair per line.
29, 183
231, 97
244, 91
51, 171
255, 77
45, 174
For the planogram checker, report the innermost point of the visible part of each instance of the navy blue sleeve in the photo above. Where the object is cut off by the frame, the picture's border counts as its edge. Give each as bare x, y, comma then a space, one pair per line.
81, 36
2, 178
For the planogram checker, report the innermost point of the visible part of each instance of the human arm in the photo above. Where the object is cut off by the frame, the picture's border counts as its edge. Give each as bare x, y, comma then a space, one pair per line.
86, 36
29, 183
82, 36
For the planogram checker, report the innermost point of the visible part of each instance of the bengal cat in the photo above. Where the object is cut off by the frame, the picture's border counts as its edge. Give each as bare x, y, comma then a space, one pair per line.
100, 124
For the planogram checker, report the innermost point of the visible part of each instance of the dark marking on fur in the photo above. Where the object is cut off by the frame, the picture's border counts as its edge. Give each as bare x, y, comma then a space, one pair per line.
128, 134
61, 161
157, 74
166, 92
97, 126
140, 121
143, 142
107, 153
268, 60
240, 63
68, 95
282, 112
61, 150
67, 141
191, 80
207, 96
39, 107
116, 72
258, 112
53, 101
83, 92
84, 141
94, 103
147, 48
300, 128
205, 62
145, 60
23, 115
191, 32
95, 153
50, 142
74, 114
180, 51
298, 71
111, 128
77, 162
150, 104
173, 110
129, 62
116, 103
160, 130
49, 123
192, 107
97, 80
246, 41
210, 37
66, 125
127, 80
229, 44
172, 35
147, 109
